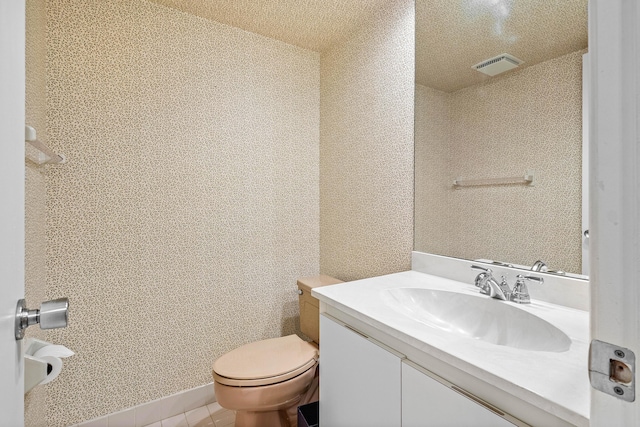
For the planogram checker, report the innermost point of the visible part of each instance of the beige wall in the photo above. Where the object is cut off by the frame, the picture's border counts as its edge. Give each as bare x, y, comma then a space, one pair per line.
190, 201
529, 120
366, 148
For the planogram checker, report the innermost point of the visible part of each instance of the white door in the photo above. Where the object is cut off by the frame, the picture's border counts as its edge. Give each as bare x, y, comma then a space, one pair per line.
12, 81
614, 51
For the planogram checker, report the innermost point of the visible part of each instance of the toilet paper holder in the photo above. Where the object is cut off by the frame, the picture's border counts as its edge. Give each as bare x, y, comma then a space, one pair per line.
37, 369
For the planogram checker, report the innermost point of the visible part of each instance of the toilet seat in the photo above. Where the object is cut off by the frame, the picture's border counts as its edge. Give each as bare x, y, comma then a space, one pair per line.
265, 362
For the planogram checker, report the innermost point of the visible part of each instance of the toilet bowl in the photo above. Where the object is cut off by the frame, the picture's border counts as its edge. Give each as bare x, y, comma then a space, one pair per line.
265, 381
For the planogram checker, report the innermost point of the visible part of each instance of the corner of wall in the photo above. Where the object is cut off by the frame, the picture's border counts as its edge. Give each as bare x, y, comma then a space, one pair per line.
366, 148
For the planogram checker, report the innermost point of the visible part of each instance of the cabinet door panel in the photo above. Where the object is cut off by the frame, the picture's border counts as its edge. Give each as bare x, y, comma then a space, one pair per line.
426, 402
359, 380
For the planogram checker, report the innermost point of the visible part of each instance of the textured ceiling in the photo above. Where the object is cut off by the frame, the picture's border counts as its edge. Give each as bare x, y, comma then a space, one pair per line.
451, 35
311, 24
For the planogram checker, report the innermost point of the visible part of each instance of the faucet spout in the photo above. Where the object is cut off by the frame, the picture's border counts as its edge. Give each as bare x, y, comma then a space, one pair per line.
498, 290
539, 266
489, 285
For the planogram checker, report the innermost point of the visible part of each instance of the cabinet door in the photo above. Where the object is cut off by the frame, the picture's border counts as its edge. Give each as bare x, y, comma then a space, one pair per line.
359, 380
427, 402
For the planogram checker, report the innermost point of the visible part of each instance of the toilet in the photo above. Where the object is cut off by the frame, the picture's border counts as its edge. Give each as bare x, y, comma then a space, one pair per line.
265, 381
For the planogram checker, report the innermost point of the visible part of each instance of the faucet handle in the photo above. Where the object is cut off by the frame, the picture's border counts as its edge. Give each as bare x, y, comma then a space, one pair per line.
487, 270
540, 280
481, 279
520, 293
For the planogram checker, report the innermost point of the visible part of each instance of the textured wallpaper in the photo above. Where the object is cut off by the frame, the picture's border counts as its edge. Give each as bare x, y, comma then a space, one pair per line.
529, 120
190, 202
366, 148
432, 160
312, 24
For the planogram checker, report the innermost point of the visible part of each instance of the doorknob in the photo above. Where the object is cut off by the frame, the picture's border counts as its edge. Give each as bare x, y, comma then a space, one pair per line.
52, 314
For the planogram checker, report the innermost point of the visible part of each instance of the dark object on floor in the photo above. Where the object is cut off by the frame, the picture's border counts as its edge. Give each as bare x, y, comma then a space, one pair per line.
308, 415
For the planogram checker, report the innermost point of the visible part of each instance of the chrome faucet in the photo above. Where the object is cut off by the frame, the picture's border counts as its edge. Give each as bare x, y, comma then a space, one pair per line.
544, 268
539, 266
520, 292
489, 285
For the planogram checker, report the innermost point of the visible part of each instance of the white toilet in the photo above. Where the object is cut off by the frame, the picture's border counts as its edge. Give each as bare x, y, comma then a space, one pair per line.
266, 381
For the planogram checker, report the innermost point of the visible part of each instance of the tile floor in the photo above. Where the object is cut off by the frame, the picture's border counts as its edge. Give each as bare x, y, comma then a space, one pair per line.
212, 415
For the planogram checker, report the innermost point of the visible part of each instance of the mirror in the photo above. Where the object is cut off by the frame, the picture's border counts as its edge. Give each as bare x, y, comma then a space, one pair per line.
490, 132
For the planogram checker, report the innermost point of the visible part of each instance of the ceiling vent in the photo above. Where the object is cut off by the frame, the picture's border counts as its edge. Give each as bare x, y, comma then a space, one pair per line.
498, 64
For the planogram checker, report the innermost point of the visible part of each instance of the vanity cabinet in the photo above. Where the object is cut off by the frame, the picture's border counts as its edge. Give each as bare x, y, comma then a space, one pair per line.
427, 401
365, 383
359, 379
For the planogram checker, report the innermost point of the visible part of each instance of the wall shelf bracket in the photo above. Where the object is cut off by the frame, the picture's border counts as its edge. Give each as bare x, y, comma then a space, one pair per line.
38, 152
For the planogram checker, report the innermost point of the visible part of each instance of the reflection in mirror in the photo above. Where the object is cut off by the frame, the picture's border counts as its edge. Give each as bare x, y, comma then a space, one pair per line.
472, 126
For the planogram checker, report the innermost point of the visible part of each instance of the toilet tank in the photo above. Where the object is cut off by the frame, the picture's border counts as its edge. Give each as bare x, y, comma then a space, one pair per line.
309, 306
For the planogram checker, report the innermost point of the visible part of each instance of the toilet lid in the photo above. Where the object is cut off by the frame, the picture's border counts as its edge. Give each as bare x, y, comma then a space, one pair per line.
265, 362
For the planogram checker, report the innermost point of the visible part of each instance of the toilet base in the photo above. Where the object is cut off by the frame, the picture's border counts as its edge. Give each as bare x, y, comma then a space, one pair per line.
264, 419
269, 406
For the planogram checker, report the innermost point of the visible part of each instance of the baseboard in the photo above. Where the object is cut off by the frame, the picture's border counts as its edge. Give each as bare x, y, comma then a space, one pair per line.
156, 410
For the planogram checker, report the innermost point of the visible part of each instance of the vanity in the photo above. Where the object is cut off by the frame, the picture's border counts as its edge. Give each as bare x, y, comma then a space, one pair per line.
498, 164
425, 347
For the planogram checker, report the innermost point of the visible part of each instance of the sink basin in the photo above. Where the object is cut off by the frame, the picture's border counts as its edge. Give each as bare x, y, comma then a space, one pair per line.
479, 317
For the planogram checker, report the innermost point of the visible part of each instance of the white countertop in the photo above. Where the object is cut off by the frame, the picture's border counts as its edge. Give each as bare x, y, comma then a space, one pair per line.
557, 383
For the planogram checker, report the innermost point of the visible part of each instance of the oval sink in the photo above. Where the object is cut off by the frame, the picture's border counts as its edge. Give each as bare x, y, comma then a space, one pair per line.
482, 318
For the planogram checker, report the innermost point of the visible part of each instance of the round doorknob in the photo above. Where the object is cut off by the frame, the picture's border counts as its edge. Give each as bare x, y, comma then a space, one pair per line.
54, 314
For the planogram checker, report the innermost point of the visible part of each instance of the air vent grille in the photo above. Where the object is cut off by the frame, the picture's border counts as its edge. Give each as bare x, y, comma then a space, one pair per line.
498, 64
